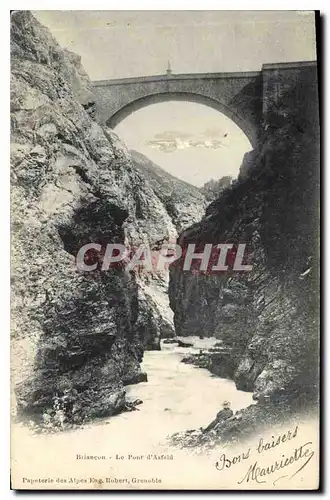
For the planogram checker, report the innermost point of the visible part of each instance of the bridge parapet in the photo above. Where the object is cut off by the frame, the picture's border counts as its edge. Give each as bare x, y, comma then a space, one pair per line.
173, 76
244, 97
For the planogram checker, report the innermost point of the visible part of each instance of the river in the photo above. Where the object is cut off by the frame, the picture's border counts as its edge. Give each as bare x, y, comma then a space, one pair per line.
180, 396
177, 397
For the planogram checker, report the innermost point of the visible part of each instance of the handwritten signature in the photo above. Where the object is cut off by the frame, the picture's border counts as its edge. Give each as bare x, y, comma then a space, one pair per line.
257, 472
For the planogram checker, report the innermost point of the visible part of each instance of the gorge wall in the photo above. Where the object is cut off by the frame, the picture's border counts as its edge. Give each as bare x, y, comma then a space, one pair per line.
267, 318
77, 337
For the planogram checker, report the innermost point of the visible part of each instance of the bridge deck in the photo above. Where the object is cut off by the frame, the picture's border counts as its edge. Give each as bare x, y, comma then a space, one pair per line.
196, 76
183, 76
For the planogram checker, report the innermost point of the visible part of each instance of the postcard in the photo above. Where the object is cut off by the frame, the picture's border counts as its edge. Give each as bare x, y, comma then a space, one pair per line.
165, 178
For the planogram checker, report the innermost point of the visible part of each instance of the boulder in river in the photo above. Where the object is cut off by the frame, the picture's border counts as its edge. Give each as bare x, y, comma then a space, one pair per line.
182, 343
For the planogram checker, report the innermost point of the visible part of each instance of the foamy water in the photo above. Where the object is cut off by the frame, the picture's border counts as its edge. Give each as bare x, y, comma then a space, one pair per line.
132, 447
179, 396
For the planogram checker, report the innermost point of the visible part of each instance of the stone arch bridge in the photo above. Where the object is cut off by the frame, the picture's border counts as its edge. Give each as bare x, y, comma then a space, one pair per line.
242, 96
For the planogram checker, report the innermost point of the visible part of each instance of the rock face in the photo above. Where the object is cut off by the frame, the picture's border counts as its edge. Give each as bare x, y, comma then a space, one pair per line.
77, 337
267, 317
213, 188
184, 203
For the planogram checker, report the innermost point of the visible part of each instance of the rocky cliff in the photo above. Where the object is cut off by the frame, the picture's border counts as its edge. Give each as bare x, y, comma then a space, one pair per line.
183, 202
267, 318
77, 337
213, 188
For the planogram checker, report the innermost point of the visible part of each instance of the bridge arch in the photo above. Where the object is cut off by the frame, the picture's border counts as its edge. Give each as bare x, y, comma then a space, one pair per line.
136, 104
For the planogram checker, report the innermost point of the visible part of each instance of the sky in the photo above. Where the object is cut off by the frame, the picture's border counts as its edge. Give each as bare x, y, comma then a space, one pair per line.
196, 144
122, 44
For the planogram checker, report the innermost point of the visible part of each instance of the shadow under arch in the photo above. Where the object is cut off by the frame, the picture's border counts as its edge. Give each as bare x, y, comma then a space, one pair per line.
125, 111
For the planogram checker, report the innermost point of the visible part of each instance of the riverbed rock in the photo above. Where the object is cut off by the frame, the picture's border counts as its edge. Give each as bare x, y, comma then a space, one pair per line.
220, 362
245, 424
182, 343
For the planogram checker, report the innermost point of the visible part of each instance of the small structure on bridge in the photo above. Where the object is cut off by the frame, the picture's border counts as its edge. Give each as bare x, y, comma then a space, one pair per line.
169, 69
